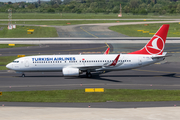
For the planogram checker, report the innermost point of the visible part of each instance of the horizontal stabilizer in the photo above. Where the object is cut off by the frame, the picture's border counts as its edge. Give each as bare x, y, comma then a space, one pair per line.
161, 56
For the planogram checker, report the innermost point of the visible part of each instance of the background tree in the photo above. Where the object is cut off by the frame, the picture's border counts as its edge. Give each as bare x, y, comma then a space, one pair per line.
178, 8
31, 6
97, 6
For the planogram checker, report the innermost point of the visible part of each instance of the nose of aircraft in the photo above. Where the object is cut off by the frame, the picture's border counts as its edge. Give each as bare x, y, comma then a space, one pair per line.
8, 66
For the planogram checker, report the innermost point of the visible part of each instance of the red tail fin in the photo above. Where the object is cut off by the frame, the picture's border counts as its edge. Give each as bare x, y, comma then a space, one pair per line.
107, 51
156, 44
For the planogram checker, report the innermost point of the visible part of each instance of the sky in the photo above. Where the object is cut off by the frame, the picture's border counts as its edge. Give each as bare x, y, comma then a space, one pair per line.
19, 0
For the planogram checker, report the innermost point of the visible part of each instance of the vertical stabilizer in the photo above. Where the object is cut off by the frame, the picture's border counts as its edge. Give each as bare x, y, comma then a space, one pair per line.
107, 51
156, 44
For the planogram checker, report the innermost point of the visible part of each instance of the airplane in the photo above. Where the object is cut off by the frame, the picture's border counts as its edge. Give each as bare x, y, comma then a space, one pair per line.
74, 65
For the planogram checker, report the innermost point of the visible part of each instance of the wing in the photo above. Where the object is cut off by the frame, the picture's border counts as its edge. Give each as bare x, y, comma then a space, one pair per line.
105, 65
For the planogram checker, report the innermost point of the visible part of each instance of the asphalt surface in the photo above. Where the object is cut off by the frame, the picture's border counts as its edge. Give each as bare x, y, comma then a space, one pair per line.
56, 49
96, 30
93, 31
95, 105
171, 48
164, 75
158, 76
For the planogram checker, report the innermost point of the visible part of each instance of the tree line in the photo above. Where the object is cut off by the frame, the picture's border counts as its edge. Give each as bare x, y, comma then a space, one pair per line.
96, 6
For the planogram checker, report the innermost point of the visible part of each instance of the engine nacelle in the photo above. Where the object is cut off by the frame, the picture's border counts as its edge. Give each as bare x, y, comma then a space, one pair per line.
70, 71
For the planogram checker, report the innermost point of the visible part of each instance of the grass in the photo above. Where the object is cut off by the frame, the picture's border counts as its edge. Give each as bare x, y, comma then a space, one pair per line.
21, 32
16, 45
83, 16
115, 95
4, 60
131, 30
7, 59
3, 68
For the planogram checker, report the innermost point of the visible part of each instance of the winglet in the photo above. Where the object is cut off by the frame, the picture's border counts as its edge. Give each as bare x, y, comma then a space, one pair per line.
115, 61
107, 51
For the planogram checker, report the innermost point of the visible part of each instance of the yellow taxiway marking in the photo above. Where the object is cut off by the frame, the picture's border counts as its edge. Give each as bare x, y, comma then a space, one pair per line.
11, 44
88, 32
107, 45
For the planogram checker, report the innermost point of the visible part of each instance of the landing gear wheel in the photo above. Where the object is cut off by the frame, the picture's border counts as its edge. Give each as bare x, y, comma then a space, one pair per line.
23, 75
88, 74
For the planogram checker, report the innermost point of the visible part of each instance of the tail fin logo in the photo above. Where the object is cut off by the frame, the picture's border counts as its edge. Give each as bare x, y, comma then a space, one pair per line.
155, 46
114, 62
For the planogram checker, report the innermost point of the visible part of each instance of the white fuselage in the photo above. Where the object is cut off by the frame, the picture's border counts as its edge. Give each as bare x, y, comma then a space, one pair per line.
96, 62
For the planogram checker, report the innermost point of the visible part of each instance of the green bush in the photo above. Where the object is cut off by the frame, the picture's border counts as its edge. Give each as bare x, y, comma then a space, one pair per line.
79, 12
51, 10
143, 12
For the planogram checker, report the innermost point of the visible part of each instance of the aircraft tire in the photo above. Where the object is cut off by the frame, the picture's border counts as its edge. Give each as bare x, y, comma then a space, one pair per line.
23, 75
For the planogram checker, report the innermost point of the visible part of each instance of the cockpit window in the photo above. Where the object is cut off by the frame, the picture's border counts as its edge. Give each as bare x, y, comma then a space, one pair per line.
15, 61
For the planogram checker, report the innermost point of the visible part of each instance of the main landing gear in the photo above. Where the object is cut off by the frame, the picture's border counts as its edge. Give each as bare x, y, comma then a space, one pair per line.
88, 74
23, 75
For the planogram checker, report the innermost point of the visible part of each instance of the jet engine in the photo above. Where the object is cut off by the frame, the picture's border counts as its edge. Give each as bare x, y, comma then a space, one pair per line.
70, 71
